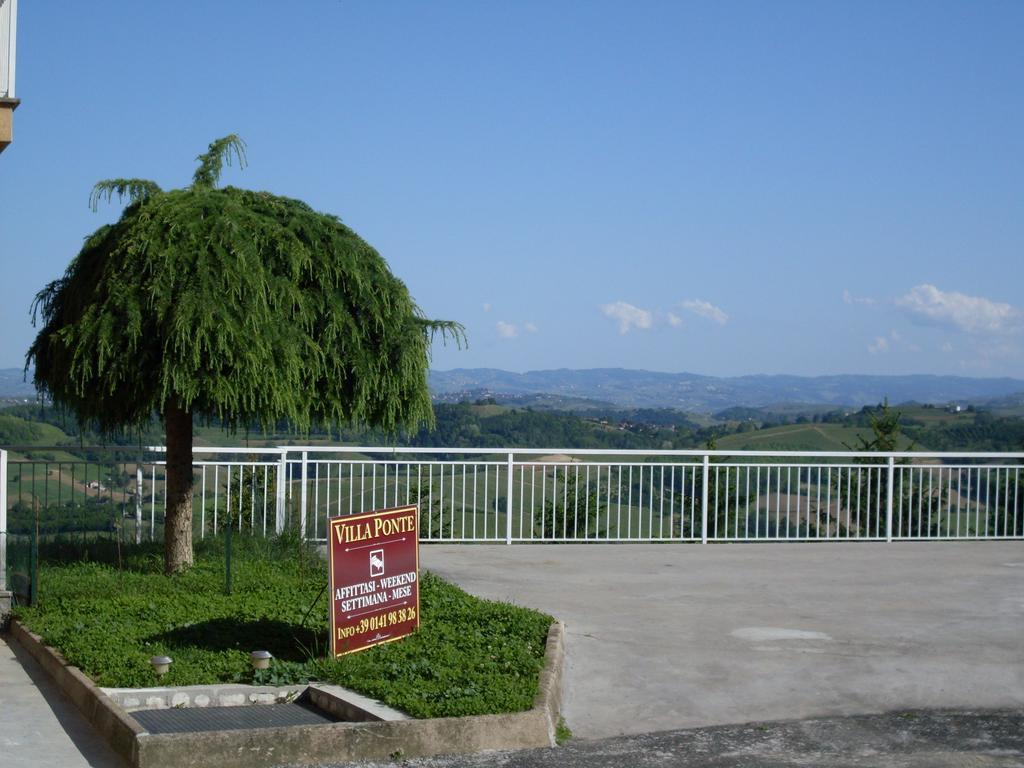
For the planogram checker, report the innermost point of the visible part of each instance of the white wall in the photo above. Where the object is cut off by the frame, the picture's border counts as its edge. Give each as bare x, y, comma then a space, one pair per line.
8, 24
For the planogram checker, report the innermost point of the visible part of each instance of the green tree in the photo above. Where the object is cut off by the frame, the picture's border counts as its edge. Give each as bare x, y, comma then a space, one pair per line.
885, 430
434, 524
865, 493
572, 511
231, 304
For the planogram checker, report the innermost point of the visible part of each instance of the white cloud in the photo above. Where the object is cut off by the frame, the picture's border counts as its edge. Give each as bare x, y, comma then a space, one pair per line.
628, 316
899, 341
674, 320
993, 353
507, 330
973, 314
487, 307
531, 328
705, 309
848, 298
880, 345
946, 347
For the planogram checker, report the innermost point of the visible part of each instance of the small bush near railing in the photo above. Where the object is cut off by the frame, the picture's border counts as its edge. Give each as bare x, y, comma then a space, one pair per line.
470, 656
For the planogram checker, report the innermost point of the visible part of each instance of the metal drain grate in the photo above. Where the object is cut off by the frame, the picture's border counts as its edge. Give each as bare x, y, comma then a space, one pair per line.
191, 720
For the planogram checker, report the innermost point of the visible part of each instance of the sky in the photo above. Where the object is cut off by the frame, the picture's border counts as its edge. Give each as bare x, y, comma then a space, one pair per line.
723, 188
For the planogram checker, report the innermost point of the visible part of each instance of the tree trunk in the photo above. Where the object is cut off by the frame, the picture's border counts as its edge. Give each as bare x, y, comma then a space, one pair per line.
178, 524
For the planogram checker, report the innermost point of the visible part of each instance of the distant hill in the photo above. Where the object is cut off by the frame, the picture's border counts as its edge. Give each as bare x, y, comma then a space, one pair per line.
709, 394
13, 383
540, 401
598, 388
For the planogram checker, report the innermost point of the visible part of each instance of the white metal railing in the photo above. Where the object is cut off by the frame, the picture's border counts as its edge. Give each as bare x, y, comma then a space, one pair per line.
3, 520
114, 493
8, 34
574, 495
518, 495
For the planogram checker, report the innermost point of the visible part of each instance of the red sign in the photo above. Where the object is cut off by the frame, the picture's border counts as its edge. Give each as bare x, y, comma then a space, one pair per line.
374, 578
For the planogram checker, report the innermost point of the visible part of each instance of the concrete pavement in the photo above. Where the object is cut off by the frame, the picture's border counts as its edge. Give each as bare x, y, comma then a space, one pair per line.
929, 739
39, 726
664, 637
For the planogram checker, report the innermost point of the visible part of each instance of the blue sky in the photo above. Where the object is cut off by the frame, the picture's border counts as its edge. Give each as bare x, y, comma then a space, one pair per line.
723, 187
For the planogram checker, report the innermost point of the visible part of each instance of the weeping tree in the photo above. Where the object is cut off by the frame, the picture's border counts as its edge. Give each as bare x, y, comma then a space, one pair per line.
210, 302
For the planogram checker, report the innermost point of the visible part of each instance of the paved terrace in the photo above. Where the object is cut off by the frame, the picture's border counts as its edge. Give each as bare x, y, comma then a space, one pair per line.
666, 636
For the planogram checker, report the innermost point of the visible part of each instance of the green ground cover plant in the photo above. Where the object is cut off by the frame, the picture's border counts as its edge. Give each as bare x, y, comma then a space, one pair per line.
470, 656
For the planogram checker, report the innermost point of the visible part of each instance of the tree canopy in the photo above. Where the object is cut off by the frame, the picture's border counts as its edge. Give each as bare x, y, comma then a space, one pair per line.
243, 305
234, 304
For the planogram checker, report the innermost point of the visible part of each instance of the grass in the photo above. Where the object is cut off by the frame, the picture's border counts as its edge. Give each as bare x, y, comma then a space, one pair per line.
470, 656
562, 732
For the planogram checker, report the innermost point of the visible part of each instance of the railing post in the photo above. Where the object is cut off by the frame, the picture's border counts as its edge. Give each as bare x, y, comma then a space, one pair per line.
303, 497
888, 500
138, 503
508, 502
282, 487
704, 503
3, 522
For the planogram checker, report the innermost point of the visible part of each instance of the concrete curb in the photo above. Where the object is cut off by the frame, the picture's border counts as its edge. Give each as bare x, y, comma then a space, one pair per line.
549, 691
337, 742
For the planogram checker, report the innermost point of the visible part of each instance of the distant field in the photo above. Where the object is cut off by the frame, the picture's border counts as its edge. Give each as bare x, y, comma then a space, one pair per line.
1016, 411
17, 431
799, 437
931, 416
483, 411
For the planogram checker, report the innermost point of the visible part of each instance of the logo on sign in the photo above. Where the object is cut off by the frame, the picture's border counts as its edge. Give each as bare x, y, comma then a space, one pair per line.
376, 562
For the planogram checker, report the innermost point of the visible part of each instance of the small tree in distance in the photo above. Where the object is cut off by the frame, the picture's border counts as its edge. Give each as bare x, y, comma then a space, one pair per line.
234, 304
886, 431
866, 497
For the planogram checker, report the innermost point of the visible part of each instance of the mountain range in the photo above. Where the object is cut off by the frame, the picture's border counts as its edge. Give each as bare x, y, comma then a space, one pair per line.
13, 383
707, 394
684, 391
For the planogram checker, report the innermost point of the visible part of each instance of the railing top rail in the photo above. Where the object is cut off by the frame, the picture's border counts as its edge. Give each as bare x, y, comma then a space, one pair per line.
275, 450
882, 455
134, 449
290, 452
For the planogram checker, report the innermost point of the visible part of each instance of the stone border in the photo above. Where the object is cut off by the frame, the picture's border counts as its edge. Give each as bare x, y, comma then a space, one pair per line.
6, 598
342, 703
338, 742
201, 696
